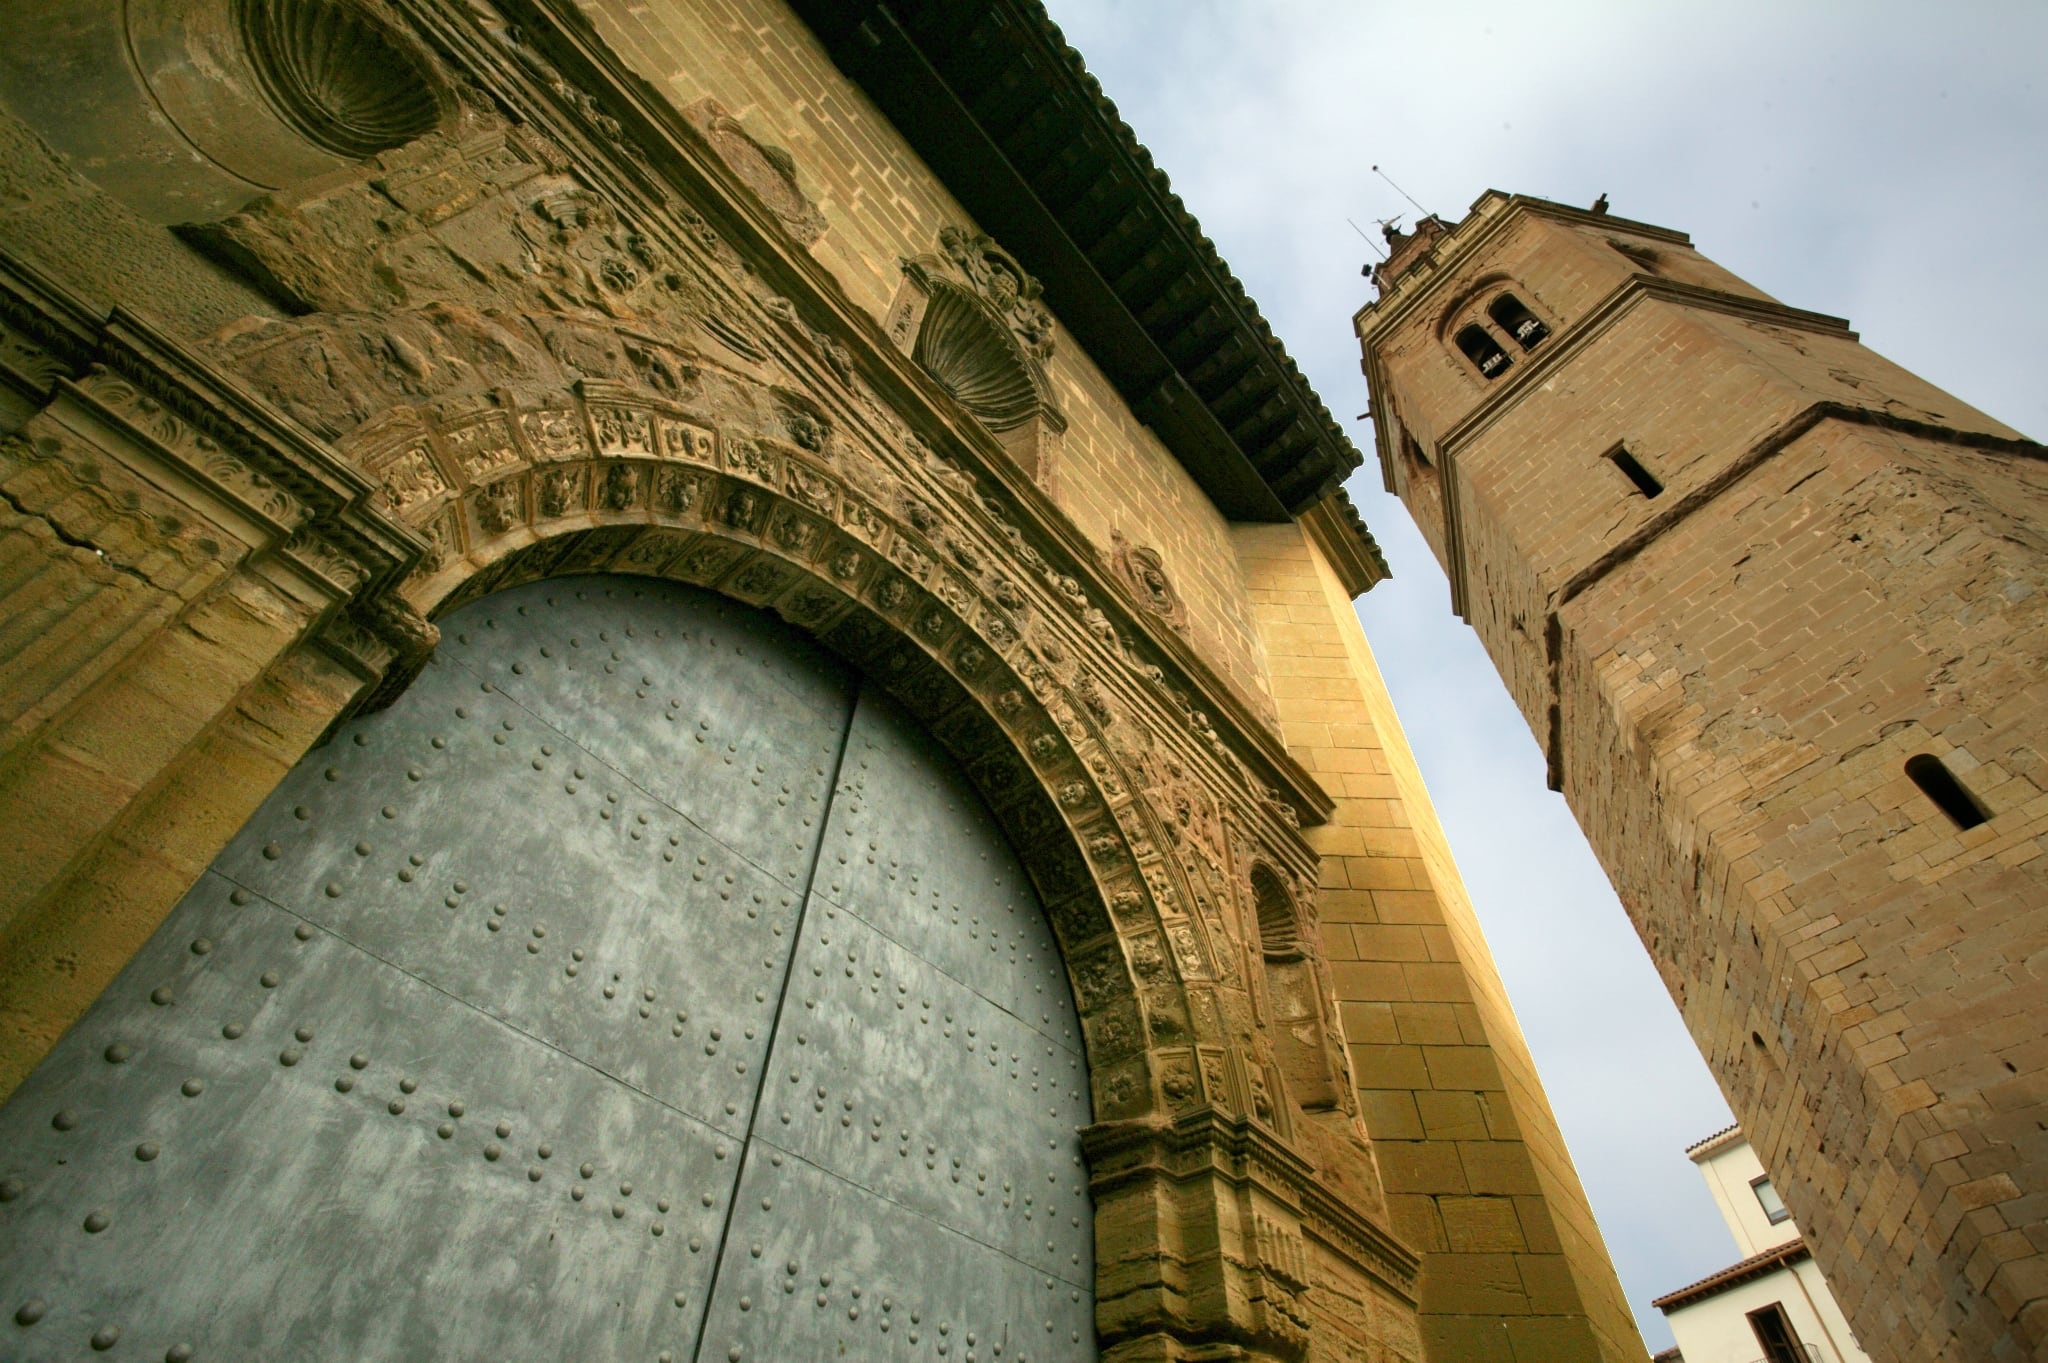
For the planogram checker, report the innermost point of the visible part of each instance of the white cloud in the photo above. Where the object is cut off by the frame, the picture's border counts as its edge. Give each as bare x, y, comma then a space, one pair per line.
1882, 161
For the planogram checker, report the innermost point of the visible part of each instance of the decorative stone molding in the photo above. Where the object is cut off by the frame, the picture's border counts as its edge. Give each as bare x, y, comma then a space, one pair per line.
767, 170
131, 403
971, 318
1210, 1228
341, 76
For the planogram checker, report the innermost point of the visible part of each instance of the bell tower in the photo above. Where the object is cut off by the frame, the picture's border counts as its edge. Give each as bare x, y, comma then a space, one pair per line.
1777, 611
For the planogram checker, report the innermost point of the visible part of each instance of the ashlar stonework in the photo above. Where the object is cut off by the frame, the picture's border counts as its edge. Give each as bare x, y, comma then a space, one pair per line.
1774, 608
537, 297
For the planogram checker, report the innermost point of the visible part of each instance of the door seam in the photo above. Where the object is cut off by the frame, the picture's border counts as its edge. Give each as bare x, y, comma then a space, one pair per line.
775, 1024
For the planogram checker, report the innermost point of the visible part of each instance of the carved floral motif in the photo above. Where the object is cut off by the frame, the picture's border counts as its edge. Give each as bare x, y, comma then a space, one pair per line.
1144, 572
410, 479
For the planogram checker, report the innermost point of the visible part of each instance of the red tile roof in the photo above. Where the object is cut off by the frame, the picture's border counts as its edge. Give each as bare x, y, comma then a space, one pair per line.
1755, 1266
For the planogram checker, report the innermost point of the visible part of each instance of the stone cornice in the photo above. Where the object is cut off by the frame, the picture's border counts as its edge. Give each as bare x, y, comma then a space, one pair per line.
277, 448
1244, 1153
1697, 498
47, 313
1618, 303
298, 498
1781, 436
631, 139
1339, 533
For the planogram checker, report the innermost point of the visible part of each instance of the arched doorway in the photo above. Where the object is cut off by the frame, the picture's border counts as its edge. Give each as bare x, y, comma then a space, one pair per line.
639, 985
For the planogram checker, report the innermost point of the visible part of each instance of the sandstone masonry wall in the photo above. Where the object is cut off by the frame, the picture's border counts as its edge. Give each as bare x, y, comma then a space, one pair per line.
881, 205
1842, 569
1476, 1170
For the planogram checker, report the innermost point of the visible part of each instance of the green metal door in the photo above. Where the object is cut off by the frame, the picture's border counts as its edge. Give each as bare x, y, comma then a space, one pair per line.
638, 986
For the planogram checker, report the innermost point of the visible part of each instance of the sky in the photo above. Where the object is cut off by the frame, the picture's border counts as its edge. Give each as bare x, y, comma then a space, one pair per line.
1881, 162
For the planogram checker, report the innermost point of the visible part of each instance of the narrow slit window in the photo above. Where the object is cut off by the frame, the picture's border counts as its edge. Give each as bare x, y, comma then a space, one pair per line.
1517, 321
1480, 348
1632, 468
1939, 784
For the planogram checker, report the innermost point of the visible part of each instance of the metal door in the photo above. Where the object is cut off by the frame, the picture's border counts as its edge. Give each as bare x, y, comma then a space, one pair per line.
636, 987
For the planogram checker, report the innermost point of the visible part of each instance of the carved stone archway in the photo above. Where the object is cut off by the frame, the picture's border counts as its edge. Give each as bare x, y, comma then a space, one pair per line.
751, 519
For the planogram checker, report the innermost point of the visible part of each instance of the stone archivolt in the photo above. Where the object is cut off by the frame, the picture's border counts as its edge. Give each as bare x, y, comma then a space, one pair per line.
547, 360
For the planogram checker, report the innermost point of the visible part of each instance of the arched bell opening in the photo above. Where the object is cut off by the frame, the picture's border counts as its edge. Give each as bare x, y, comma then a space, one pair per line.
638, 976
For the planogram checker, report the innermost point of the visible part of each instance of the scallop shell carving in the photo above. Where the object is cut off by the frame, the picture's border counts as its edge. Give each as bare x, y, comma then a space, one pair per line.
344, 78
974, 357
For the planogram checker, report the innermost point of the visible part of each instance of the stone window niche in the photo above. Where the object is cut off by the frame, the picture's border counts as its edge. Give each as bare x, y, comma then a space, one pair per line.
972, 320
1633, 469
1940, 785
1294, 993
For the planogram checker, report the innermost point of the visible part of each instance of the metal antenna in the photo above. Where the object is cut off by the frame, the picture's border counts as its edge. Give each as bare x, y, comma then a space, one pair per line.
1366, 239
1398, 190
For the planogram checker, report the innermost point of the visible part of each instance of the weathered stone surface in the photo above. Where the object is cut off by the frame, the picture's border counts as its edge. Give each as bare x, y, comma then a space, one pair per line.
501, 311
1775, 608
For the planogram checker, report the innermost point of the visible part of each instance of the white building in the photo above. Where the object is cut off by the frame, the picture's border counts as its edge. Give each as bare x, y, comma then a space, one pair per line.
1772, 1305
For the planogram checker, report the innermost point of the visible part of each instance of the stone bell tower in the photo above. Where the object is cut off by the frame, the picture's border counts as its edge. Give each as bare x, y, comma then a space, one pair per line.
1778, 612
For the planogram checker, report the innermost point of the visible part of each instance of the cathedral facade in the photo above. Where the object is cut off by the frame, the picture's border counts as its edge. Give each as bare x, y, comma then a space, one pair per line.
681, 683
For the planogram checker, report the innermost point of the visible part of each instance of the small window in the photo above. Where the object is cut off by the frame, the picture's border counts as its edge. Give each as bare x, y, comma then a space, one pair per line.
1632, 468
1938, 784
1480, 348
1517, 321
1773, 1329
1767, 1198
1411, 449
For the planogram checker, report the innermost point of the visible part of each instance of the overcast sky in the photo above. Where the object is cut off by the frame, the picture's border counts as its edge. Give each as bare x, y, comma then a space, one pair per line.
1881, 162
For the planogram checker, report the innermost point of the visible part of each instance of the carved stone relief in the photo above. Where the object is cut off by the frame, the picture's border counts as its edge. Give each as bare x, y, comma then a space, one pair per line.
1144, 572
542, 374
971, 317
769, 171
1010, 292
